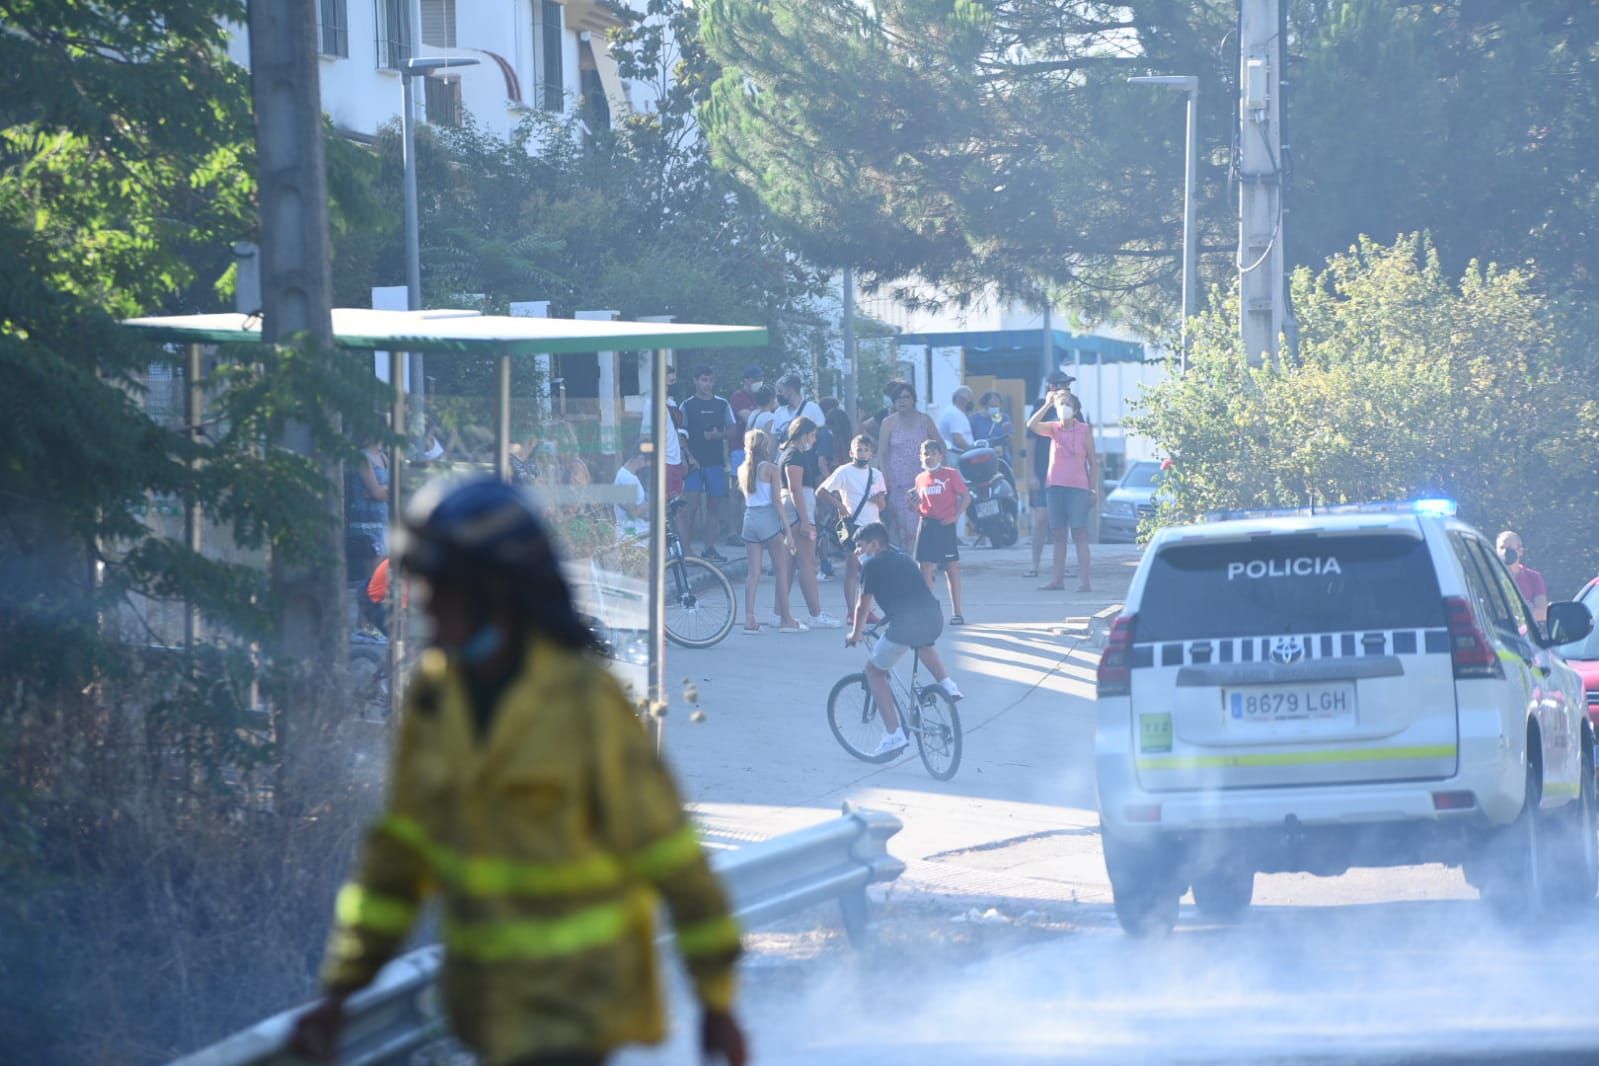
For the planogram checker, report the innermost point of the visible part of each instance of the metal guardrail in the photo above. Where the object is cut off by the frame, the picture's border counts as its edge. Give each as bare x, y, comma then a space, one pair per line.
399, 1012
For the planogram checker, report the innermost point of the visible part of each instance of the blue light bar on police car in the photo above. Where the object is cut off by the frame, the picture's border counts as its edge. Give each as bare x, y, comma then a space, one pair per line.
1428, 507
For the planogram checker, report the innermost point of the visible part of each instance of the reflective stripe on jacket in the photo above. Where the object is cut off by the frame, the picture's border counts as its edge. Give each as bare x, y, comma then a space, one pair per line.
549, 840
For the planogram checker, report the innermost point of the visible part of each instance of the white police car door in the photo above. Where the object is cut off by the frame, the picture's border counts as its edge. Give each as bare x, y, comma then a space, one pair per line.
1537, 675
1307, 658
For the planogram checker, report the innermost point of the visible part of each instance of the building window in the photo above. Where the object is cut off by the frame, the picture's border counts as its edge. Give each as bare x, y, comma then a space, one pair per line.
442, 98
596, 107
394, 33
552, 92
335, 28
438, 23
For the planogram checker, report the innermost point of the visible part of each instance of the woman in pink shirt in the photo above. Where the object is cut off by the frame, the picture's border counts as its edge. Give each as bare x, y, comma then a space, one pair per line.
1069, 490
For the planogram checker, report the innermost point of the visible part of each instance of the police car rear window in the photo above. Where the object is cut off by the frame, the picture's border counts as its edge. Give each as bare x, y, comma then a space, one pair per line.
1279, 585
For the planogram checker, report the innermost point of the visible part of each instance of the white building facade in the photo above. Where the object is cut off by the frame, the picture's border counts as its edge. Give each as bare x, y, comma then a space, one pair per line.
532, 56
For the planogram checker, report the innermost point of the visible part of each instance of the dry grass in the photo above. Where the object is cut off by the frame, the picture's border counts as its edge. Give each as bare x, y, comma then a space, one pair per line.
165, 902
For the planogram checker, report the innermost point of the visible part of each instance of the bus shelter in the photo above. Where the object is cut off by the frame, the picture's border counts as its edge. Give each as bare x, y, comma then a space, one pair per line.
499, 403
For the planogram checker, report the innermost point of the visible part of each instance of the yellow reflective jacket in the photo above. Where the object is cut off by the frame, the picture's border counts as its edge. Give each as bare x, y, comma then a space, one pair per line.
549, 840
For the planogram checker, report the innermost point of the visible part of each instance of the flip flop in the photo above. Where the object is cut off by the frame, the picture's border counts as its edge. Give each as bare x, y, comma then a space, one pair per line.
752, 632
1029, 573
1052, 587
957, 620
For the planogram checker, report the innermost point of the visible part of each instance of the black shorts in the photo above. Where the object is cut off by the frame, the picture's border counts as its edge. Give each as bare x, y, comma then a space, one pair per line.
936, 542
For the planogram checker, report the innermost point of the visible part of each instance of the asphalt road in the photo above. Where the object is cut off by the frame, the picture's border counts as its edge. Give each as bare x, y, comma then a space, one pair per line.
999, 943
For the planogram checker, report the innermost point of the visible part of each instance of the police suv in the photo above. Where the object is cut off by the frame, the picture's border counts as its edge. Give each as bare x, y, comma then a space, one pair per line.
1360, 686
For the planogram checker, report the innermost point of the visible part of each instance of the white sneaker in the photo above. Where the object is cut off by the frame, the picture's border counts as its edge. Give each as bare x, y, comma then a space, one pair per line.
892, 742
953, 690
824, 621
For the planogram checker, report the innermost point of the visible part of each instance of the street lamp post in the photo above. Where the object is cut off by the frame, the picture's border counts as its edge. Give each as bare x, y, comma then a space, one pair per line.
414, 68
1186, 83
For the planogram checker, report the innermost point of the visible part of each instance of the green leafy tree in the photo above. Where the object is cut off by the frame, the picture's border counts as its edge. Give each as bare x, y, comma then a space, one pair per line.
997, 142
130, 765
1406, 384
633, 218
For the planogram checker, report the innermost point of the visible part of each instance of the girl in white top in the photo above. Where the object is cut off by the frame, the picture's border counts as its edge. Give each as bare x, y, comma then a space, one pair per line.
764, 528
851, 485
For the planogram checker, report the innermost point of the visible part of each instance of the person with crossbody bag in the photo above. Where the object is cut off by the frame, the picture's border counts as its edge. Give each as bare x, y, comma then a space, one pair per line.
859, 491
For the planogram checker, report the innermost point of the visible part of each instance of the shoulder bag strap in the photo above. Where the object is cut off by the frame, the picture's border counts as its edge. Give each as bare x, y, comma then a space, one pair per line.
861, 506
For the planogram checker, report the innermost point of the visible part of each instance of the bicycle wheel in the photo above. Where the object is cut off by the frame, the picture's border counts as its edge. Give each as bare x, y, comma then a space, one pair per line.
699, 603
853, 718
938, 734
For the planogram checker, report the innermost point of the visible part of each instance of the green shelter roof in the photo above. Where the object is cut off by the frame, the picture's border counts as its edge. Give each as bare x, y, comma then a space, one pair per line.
461, 331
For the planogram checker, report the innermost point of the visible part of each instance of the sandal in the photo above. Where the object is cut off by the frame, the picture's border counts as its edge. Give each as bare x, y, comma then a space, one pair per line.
752, 630
1052, 587
957, 620
1029, 573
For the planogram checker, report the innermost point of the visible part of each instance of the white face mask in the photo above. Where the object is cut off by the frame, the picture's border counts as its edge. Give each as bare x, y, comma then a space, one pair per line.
931, 464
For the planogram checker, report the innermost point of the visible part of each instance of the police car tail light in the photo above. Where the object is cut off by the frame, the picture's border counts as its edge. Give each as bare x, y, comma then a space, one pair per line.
1115, 664
1473, 656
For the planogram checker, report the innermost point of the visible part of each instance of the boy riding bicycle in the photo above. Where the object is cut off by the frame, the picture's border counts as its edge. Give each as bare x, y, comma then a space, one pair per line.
894, 581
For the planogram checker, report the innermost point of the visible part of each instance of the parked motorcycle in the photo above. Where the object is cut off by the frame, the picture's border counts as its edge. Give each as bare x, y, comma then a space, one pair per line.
993, 488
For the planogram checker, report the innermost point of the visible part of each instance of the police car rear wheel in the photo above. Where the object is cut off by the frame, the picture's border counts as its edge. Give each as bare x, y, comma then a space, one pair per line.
1224, 892
1513, 879
1575, 876
1143, 886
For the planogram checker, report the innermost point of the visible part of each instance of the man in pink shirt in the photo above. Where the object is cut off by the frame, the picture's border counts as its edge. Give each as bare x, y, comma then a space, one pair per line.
1528, 580
1069, 488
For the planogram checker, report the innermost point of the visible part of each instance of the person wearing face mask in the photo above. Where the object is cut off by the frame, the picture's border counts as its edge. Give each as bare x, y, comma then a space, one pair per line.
801, 474
527, 795
857, 492
792, 404
990, 422
1071, 485
941, 498
1528, 580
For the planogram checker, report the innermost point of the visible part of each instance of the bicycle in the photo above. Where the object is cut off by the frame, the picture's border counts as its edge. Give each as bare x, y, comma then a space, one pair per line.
925, 711
700, 605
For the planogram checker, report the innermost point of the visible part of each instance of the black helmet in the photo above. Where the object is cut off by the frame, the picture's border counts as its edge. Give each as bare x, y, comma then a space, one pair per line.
484, 528
473, 528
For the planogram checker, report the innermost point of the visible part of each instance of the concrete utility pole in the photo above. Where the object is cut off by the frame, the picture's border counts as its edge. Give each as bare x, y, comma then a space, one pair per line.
1260, 214
296, 304
851, 359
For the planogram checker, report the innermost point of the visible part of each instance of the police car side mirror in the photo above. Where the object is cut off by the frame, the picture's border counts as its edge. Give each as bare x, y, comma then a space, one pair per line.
1568, 621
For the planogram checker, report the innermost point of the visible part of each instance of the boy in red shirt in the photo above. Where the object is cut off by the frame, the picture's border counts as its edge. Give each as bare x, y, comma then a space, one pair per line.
940, 496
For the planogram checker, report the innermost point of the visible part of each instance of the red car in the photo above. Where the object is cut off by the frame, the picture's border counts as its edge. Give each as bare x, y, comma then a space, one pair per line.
1583, 655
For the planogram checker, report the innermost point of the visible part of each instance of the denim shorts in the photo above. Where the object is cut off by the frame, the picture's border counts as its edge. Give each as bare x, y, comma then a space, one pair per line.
1069, 508
711, 480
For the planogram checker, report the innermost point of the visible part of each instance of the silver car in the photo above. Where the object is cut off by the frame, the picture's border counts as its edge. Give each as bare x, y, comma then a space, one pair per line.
1129, 502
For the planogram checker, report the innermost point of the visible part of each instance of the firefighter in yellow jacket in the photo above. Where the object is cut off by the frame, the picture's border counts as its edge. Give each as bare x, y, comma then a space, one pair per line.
526, 794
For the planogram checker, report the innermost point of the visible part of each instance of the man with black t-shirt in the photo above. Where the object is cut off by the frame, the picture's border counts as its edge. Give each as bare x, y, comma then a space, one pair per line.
1040, 474
710, 424
894, 581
